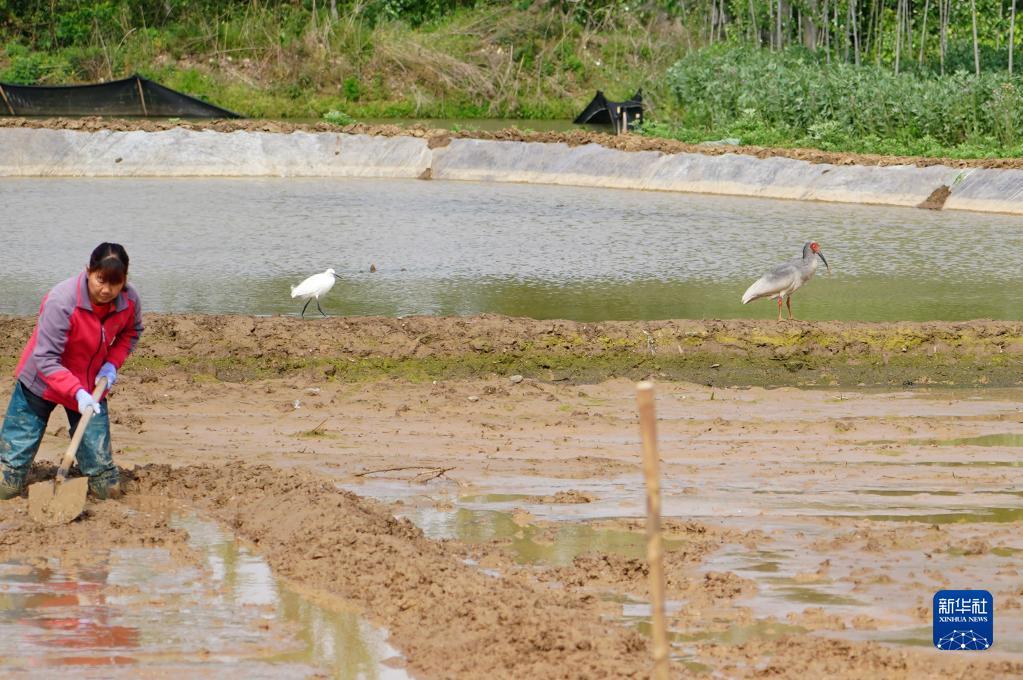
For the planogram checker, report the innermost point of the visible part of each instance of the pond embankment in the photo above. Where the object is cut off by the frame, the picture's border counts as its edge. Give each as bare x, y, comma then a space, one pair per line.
711, 352
63, 148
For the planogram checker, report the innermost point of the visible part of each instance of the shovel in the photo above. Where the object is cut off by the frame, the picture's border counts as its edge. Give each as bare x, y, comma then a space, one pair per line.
60, 501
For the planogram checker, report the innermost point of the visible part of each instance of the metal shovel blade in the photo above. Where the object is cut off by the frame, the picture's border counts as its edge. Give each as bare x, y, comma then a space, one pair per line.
54, 502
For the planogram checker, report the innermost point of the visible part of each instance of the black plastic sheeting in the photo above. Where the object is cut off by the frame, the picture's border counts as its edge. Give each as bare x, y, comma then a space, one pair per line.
133, 96
617, 114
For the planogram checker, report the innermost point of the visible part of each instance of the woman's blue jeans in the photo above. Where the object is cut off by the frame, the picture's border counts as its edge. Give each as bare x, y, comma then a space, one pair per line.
23, 429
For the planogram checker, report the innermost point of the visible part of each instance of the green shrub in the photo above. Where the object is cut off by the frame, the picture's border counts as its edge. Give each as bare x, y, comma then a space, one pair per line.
338, 117
351, 89
830, 102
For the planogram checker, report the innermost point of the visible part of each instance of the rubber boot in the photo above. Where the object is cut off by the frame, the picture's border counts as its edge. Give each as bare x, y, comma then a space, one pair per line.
11, 483
102, 487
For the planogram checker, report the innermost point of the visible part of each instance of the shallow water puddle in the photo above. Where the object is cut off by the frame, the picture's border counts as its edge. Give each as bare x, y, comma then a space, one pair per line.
142, 611
838, 590
556, 545
881, 595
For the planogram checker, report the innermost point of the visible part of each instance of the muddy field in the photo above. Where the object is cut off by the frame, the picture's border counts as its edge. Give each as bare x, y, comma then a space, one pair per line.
442, 137
473, 484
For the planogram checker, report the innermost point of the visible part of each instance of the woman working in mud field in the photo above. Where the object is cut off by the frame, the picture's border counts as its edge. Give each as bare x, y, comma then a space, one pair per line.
87, 327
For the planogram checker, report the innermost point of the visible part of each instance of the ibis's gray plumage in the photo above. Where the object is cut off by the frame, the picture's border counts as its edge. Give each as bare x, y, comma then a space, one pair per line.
786, 278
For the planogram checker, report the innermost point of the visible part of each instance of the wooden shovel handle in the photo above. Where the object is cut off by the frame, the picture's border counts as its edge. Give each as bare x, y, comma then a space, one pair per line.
72, 449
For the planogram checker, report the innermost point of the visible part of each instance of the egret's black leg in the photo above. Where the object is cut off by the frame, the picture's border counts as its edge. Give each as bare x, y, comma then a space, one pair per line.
306, 305
320, 308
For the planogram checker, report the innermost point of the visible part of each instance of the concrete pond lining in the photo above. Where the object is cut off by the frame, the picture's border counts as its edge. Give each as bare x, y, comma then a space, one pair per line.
180, 152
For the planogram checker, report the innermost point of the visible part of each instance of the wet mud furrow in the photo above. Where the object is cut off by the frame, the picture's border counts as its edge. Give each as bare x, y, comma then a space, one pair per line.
448, 618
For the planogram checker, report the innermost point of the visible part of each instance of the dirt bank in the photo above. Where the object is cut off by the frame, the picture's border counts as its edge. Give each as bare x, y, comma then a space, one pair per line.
574, 138
711, 352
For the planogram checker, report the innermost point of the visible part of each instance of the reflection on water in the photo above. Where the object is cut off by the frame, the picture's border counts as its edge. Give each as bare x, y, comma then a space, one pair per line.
141, 608
528, 543
341, 641
235, 246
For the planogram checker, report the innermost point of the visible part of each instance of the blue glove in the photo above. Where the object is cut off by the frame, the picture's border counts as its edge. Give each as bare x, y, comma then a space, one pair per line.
107, 371
86, 402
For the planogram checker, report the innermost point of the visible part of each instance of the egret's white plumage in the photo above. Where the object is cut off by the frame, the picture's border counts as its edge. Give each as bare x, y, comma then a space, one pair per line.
313, 287
782, 281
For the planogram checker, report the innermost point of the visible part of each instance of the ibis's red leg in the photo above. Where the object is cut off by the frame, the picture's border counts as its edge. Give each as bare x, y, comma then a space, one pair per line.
779, 308
788, 302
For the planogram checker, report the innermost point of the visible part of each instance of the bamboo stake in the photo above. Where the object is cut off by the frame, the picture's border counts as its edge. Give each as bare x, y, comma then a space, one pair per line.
654, 548
11, 108
142, 96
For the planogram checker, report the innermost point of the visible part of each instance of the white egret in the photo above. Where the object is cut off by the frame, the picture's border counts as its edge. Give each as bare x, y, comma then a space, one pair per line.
785, 279
313, 287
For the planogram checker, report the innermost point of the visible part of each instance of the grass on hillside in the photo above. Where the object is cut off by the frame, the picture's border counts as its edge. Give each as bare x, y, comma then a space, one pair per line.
270, 61
523, 61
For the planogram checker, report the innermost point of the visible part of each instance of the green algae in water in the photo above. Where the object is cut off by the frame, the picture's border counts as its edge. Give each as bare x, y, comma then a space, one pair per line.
741, 634
1003, 439
996, 515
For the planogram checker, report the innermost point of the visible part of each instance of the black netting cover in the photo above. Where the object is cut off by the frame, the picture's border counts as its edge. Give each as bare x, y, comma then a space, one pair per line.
134, 96
603, 111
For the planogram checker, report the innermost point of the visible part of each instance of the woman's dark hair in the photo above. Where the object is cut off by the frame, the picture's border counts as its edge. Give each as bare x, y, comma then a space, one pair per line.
111, 261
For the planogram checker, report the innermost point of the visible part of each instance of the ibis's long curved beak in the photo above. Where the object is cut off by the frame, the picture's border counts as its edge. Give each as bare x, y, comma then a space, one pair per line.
821, 255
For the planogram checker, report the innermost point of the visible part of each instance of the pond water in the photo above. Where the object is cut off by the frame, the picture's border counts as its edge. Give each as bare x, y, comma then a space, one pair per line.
443, 248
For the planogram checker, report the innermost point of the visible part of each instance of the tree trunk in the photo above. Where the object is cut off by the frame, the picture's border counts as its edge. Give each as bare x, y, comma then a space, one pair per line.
1012, 32
778, 43
898, 33
712, 11
856, 37
878, 12
944, 7
825, 37
976, 48
753, 22
333, 9
1001, 15
923, 32
809, 26
907, 17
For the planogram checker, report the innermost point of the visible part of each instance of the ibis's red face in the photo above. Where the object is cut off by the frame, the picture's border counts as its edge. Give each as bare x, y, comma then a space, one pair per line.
817, 251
